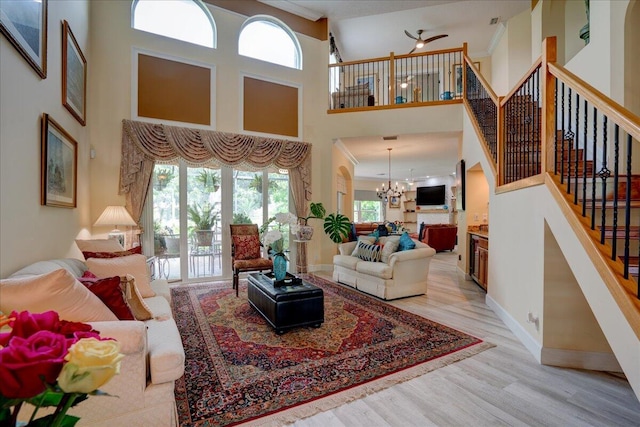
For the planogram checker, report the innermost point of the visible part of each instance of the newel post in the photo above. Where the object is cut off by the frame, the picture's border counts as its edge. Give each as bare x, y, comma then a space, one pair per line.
549, 56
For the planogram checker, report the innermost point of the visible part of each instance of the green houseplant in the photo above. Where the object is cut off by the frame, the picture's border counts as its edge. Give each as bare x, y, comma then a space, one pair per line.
204, 218
336, 226
209, 180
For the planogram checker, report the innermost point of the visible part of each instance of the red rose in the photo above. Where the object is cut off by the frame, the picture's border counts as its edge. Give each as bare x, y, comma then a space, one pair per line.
27, 363
26, 324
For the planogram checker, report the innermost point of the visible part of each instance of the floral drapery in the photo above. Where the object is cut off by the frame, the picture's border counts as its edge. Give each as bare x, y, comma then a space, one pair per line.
144, 144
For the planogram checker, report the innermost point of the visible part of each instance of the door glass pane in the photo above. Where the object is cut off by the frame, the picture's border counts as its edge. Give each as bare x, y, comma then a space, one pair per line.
166, 220
247, 197
204, 223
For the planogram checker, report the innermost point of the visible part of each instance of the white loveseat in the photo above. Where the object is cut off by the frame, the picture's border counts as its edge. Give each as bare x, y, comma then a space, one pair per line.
143, 392
405, 273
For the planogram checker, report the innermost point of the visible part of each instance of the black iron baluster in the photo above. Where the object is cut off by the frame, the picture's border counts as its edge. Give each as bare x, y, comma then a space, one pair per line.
616, 184
584, 161
593, 173
563, 138
627, 208
555, 129
576, 147
570, 136
604, 174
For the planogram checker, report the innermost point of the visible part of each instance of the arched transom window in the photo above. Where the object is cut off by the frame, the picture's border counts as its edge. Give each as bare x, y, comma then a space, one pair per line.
186, 20
268, 39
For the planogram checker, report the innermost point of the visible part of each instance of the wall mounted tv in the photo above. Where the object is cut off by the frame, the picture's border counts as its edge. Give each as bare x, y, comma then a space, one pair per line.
429, 196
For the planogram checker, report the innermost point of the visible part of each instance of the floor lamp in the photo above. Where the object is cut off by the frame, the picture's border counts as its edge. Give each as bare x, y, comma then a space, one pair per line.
115, 216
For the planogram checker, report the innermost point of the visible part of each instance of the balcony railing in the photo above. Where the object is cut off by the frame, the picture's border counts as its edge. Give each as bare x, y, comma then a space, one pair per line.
397, 81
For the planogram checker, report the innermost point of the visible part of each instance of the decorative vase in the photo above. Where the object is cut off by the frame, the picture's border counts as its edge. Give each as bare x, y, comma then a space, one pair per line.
279, 266
304, 233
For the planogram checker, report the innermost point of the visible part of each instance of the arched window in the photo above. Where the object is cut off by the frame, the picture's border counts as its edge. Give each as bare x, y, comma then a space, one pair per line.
268, 39
186, 20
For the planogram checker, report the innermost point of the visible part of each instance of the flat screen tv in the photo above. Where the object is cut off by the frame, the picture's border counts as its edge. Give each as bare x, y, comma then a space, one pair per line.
429, 196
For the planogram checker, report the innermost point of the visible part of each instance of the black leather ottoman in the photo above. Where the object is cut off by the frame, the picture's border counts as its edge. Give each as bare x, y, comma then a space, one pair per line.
288, 306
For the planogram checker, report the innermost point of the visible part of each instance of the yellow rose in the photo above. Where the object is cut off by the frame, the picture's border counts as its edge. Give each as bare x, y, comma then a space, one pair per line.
91, 363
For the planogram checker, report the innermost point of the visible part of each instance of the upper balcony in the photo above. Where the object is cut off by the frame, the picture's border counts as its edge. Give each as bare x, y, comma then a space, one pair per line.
417, 80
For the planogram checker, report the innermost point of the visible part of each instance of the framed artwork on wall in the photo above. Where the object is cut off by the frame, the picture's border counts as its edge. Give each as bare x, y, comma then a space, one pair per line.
74, 75
457, 77
24, 24
58, 165
394, 202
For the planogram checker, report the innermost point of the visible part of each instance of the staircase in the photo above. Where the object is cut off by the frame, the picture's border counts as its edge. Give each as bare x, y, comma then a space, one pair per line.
599, 200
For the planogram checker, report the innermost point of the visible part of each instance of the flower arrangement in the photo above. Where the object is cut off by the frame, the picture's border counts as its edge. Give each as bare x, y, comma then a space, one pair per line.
46, 361
274, 238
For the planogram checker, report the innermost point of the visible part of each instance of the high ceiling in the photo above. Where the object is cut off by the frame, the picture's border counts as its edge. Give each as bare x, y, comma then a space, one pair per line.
369, 29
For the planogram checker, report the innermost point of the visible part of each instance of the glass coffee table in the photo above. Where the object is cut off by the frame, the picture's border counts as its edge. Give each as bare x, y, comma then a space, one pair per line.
286, 307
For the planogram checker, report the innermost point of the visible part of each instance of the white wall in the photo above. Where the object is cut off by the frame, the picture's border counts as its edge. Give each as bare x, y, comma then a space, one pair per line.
29, 231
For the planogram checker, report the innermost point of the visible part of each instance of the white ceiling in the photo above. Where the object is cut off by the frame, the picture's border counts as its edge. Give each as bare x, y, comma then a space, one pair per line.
370, 29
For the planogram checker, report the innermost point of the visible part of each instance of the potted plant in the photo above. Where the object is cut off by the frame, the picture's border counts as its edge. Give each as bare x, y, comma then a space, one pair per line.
209, 180
204, 218
336, 226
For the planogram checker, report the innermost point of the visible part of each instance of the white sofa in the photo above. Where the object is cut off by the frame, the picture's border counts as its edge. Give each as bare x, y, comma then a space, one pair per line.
154, 359
405, 273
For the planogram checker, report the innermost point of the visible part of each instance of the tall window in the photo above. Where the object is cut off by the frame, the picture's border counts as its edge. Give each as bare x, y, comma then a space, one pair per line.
268, 39
186, 20
367, 210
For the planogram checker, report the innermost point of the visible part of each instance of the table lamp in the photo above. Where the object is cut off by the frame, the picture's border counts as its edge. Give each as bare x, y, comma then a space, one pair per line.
116, 215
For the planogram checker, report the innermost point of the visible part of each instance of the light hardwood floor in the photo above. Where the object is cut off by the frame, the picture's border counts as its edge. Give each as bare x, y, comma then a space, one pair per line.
502, 386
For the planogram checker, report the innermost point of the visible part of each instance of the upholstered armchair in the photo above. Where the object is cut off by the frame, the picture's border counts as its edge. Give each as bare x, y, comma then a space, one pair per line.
246, 253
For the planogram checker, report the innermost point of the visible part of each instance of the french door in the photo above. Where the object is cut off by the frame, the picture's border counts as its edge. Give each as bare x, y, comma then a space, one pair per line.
189, 209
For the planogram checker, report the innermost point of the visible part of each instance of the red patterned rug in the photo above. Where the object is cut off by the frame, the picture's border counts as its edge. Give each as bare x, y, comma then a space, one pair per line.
238, 369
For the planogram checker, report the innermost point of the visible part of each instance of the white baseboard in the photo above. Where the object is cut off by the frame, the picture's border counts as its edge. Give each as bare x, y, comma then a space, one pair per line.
580, 360
594, 361
534, 347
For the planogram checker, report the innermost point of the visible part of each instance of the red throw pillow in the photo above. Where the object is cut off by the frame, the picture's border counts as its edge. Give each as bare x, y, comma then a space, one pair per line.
132, 251
246, 247
110, 293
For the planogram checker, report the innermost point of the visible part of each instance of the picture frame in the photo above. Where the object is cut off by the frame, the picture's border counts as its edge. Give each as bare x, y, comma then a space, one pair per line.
24, 24
74, 75
394, 202
58, 165
457, 78
460, 185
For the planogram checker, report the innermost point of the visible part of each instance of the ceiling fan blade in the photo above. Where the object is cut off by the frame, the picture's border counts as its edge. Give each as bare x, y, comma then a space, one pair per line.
409, 35
440, 36
411, 51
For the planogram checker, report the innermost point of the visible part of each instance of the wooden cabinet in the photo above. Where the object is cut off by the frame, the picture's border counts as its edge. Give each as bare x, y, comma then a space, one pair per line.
479, 259
409, 210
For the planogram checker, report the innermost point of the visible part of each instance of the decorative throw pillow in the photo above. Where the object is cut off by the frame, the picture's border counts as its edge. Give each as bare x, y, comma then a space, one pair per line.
139, 308
366, 239
99, 245
136, 265
132, 251
389, 247
246, 247
368, 251
406, 243
110, 293
59, 291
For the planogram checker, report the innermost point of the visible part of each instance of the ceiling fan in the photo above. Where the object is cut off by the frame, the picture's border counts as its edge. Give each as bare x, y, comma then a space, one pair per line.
420, 42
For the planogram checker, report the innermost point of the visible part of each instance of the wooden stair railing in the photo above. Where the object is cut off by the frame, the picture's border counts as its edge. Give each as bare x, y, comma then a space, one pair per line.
554, 123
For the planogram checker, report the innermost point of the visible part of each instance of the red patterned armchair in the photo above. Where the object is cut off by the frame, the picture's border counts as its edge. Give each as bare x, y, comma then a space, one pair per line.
246, 253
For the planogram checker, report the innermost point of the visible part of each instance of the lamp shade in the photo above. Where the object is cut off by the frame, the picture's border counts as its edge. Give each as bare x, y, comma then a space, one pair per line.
115, 215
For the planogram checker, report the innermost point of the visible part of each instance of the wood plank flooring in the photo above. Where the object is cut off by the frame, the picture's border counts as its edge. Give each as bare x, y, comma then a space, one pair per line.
502, 386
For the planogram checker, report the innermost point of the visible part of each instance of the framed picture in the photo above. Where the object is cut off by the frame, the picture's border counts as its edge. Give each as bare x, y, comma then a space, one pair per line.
74, 75
394, 202
58, 164
24, 24
457, 77
460, 184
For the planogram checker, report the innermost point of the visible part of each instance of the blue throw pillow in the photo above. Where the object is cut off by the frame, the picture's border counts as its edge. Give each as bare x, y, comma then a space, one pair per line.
406, 243
375, 234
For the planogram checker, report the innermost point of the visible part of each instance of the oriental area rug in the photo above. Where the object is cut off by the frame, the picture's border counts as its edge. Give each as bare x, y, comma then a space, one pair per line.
239, 370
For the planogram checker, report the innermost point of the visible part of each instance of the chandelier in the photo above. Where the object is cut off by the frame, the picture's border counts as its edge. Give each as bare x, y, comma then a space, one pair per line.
386, 193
